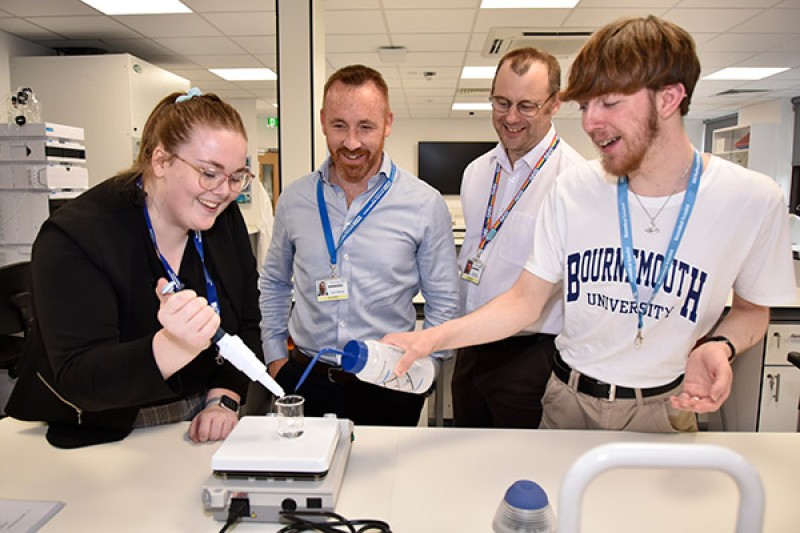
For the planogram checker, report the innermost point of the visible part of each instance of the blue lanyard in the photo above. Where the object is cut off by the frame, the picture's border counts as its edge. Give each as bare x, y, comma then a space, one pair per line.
211, 289
353, 224
490, 229
626, 237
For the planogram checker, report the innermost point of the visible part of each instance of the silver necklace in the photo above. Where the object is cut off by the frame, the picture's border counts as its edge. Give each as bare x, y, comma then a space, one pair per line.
652, 228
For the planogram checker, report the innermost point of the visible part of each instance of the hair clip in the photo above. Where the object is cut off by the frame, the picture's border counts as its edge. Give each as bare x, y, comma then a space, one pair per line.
191, 93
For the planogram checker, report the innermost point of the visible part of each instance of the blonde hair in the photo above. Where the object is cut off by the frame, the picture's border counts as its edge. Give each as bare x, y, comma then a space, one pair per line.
171, 124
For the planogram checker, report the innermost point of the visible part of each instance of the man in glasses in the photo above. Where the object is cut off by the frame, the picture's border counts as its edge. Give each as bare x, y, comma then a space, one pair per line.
500, 384
369, 233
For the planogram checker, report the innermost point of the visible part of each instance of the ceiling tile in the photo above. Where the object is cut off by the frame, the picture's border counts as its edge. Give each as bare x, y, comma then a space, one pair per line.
353, 22
243, 23
591, 17
266, 44
430, 20
213, 6
746, 42
340, 44
182, 25
201, 45
26, 30
715, 20
32, 8
515, 18
351, 4
91, 27
225, 61
772, 21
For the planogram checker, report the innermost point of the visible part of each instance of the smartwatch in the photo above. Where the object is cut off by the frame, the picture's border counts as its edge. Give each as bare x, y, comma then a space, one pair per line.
224, 401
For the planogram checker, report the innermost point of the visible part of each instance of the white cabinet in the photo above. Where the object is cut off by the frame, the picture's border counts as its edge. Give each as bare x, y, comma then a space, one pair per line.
780, 387
751, 146
109, 96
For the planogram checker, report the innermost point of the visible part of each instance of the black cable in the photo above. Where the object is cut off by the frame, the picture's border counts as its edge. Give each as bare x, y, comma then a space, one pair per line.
331, 523
239, 508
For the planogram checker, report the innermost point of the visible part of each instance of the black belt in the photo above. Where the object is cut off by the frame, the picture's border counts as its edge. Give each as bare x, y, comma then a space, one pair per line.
332, 373
608, 391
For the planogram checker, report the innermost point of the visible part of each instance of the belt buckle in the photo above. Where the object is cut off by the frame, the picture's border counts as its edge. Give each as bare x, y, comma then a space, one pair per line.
612, 393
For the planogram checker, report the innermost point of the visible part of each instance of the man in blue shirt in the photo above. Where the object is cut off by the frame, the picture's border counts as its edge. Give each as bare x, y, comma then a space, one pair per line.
378, 237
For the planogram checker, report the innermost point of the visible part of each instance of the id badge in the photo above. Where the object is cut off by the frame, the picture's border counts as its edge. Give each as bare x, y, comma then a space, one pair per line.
329, 289
473, 270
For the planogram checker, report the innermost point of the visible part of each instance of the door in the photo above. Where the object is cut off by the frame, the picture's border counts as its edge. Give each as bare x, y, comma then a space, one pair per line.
269, 174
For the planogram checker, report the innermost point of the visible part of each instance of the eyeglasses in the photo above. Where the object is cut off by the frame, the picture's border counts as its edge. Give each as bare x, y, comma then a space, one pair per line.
524, 108
211, 178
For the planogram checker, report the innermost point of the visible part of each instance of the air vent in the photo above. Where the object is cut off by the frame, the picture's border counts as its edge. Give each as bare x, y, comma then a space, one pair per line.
560, 44
734, 92
474, 92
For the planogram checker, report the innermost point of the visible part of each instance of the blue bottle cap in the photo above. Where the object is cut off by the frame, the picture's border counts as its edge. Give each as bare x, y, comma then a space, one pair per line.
354, 356
524, 494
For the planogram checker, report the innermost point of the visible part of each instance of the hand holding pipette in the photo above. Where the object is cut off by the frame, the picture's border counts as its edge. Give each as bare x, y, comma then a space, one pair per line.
233, 349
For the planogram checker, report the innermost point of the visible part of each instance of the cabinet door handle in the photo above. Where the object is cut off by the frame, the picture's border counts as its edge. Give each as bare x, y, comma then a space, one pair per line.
774, 385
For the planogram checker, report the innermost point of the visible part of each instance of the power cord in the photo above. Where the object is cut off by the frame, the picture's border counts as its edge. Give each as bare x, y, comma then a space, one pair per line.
331, 523
240, 507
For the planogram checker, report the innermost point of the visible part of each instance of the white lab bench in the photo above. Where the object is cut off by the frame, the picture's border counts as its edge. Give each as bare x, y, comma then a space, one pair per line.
420, 480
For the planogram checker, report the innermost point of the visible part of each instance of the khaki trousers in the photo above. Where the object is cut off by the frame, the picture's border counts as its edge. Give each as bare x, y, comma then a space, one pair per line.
566, 408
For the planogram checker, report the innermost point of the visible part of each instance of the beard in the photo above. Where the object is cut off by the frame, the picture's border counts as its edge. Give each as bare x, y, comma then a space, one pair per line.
638, 143
348, 171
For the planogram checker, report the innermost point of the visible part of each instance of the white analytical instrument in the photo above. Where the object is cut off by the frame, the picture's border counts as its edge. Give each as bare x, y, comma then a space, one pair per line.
276, 474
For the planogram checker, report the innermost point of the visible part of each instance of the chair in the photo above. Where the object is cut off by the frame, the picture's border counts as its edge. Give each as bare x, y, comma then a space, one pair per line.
16, 313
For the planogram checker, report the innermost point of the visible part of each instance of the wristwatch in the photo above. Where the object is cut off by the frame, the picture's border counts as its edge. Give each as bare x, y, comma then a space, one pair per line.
726, 340
224, 401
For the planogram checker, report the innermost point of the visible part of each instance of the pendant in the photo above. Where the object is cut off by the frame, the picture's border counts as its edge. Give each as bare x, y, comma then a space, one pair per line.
652, 228
637, 342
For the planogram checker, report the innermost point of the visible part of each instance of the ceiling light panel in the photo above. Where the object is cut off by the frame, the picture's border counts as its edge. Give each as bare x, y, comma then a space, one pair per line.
137, 7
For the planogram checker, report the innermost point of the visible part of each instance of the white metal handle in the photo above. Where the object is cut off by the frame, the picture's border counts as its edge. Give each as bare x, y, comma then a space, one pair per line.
750, 517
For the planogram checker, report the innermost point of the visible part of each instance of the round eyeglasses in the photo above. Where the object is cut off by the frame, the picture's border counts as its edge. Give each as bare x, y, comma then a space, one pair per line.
525, 108
210, 178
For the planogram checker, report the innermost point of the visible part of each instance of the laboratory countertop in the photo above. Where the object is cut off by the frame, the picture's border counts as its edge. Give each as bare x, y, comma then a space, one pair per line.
418, 479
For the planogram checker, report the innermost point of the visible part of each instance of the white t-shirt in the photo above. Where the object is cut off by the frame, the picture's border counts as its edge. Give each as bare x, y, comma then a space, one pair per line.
737, 237
506, 254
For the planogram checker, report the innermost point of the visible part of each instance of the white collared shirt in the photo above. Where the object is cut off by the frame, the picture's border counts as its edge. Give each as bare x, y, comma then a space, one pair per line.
505, 256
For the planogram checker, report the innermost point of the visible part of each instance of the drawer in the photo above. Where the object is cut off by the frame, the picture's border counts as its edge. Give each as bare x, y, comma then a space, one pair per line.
781, 339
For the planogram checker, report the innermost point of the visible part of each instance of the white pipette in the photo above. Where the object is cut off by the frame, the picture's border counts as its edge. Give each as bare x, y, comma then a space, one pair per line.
232, 348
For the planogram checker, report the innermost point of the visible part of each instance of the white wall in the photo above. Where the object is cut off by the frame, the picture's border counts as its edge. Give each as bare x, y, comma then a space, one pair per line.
11, 46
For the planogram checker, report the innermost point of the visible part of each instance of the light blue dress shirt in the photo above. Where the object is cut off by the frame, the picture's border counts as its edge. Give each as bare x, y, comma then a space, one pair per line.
403, 247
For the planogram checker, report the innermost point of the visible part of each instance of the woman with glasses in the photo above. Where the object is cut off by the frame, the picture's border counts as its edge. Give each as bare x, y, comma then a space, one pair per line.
113, 347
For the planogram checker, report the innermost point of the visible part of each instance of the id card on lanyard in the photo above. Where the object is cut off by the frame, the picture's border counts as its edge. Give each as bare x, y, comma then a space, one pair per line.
334, 287
474, 267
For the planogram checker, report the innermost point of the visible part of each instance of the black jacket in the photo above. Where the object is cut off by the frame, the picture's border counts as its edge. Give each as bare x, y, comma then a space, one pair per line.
88, 365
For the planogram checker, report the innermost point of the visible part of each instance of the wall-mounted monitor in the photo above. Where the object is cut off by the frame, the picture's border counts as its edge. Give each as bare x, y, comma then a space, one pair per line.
442, 163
